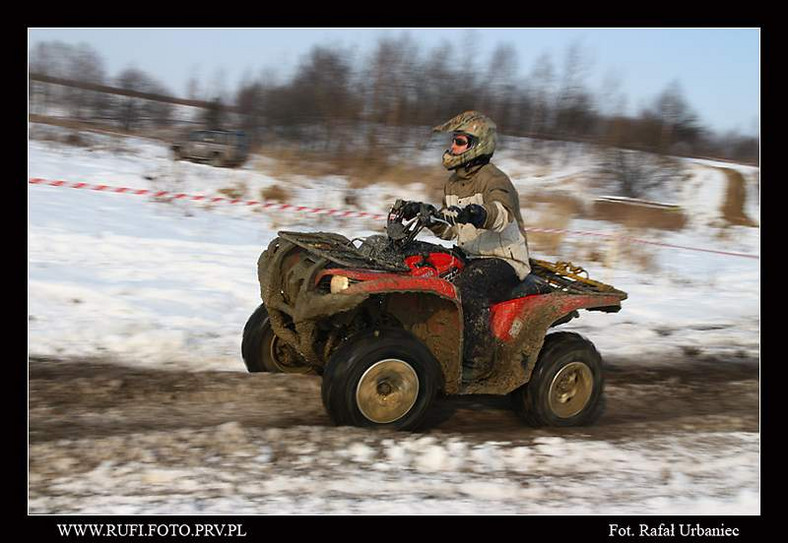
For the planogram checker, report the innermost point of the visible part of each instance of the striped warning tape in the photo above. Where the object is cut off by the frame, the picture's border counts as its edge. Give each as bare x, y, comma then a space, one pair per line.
209, 199
638, 240
346, 213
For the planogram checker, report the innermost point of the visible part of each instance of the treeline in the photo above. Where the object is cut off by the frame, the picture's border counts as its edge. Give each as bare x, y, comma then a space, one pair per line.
336, 100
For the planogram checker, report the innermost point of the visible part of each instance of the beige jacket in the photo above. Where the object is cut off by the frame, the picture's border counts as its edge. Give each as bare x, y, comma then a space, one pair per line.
503, 233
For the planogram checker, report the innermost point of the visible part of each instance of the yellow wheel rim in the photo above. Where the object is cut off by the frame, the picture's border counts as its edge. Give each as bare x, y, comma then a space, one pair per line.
387, 391
571, 389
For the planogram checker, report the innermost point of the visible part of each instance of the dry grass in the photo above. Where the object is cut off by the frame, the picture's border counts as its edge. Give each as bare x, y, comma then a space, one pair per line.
361, 169
236, 193
275, 193
80, 135
643, 257
291, 161
735, 199
637, 216
545, 210
563, 202
237, 190
555, 210
72, 138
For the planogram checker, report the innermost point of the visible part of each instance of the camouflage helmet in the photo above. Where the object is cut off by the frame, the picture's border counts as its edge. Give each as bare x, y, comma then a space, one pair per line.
481, 132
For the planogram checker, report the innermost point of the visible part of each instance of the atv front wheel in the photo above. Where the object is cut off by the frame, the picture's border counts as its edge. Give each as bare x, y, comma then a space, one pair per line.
263, 351
566, 387
380, 379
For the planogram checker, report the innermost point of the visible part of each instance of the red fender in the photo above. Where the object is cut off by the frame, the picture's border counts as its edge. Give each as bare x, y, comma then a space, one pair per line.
372, 282
507, 318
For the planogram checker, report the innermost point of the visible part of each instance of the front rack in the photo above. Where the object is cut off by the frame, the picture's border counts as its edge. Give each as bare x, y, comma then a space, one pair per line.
340, 250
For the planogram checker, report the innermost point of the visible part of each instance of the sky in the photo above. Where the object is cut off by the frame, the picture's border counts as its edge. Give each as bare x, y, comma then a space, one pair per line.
717, 69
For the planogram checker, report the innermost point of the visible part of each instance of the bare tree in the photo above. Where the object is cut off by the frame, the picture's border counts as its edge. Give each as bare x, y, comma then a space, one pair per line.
391, 91
388, 93
499, 92
214, 117
48, 58
678, 121
321, 91
636, 174
193, 89
454, 82
133, 112
216, 90
80, 63
85, 65
574, 105
541, 86
250, 101
612, 105
436, 75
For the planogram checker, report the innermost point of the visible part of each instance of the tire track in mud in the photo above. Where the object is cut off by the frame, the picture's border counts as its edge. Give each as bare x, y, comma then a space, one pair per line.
70, 399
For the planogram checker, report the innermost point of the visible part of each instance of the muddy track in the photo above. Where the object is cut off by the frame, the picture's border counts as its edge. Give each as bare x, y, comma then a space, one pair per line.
70, 399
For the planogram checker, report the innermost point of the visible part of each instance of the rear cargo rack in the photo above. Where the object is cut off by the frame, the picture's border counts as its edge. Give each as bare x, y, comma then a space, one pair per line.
569, 278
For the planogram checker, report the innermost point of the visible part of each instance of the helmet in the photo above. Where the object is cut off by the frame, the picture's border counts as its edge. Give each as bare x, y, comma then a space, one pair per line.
481, 132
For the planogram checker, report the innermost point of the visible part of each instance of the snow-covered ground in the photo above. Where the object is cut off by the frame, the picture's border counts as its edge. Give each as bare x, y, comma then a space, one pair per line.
171, 283
328, 472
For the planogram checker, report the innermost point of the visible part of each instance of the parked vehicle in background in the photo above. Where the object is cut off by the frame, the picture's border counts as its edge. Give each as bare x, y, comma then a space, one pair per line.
216, 147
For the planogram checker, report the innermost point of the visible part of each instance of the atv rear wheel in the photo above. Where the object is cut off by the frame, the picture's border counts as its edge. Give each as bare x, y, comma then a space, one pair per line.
566, 386
384, 379
263, 351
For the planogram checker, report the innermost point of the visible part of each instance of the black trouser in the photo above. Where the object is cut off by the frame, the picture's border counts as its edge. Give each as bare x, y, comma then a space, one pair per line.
483, 282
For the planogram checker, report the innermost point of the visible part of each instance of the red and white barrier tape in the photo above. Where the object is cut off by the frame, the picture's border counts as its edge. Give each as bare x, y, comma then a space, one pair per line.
638, 240
346, 213
210, 199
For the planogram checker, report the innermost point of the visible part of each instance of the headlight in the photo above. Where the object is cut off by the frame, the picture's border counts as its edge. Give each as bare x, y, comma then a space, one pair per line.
339, 283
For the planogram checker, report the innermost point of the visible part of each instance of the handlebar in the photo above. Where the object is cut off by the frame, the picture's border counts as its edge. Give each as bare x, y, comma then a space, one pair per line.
403, 231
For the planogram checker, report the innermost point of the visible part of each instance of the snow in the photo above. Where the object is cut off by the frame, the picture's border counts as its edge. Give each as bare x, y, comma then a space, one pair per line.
171, 283
420, 475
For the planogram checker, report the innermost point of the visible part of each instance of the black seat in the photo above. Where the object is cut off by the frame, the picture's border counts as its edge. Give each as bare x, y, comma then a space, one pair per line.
532, 284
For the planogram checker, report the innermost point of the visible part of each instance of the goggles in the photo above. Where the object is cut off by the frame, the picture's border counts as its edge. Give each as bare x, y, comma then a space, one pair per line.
460, 140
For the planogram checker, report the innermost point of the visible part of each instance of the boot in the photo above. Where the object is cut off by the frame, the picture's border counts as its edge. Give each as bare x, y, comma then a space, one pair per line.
478, 348
476, 364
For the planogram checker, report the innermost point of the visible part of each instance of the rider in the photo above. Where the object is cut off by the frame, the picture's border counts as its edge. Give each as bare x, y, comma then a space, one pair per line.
483, 208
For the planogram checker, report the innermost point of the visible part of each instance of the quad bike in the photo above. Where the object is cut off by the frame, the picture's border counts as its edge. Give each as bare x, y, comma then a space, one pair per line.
381, 321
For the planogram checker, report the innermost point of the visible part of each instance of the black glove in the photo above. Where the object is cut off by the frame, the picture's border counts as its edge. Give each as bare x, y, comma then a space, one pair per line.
472, 214
411, 209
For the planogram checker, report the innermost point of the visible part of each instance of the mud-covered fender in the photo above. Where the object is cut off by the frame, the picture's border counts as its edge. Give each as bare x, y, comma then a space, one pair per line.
427, 307
520, 326
437, 322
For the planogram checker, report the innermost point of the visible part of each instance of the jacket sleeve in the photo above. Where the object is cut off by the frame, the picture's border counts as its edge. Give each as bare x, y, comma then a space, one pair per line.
499, 198
444, 231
